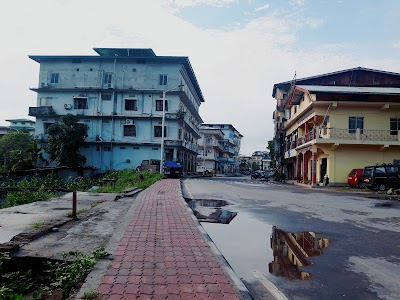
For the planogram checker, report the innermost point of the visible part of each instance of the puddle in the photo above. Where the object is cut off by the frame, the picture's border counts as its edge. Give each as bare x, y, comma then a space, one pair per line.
244, 244
210, 210
292, 250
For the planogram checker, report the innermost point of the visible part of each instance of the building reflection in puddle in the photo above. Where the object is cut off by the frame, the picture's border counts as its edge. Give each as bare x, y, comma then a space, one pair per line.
210, 210
292, 250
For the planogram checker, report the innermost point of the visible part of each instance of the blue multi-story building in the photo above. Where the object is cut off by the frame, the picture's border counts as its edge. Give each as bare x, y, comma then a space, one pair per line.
228, 162
119, 95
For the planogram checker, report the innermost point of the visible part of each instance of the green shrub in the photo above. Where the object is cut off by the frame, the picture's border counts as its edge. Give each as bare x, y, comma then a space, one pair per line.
128, 178
25, 197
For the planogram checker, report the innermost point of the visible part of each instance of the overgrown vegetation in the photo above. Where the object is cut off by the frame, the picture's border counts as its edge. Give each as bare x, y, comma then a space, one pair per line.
64, 276
38, 189
126, 179
19, 151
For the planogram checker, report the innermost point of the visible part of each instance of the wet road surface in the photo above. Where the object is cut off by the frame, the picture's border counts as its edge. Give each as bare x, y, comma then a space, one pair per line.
344, 246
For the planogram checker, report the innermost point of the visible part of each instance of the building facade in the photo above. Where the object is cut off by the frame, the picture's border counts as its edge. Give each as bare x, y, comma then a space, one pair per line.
260, 160
210, 149
119, 94
22, 124
228, 162
328, 124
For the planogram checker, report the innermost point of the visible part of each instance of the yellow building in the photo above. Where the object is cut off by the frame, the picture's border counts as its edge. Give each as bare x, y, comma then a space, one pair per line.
329, 124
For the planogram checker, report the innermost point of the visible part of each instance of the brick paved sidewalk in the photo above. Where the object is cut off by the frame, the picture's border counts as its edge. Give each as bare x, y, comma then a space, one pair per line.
163, 255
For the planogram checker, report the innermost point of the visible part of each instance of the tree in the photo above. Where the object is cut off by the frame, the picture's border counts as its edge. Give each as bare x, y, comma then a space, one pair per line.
13, 147
64, 141
271, 148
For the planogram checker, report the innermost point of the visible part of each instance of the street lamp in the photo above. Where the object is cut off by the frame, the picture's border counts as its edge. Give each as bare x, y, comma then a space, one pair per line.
204, 155
179, 87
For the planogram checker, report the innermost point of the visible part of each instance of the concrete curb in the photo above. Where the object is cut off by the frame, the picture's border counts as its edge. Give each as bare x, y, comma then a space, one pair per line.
244, 292
94, 278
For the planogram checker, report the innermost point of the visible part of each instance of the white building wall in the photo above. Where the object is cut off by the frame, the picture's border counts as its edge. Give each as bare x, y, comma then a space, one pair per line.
106, 118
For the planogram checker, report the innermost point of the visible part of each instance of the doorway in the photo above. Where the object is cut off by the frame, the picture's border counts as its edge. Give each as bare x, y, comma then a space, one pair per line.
323, 168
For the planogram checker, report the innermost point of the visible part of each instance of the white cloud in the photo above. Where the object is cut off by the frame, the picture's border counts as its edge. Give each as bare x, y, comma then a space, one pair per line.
296, 2
314, 23
236, 68
187, 3
264, 7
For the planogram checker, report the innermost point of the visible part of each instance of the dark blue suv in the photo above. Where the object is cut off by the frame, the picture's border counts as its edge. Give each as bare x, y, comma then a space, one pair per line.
172, 168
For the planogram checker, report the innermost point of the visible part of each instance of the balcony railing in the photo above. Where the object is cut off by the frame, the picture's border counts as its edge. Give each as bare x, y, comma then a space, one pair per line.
339, 134
41, 111
226, 159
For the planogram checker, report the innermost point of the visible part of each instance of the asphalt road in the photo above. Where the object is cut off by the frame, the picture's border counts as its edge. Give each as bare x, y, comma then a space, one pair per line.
360, 261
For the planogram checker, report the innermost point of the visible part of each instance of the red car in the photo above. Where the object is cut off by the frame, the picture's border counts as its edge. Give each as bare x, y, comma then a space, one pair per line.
355, 178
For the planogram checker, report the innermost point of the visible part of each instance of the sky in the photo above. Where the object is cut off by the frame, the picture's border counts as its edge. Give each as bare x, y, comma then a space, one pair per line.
238, 48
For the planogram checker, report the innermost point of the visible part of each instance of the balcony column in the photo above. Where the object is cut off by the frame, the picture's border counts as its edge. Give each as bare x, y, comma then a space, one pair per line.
314, 168
305, 167
298, 167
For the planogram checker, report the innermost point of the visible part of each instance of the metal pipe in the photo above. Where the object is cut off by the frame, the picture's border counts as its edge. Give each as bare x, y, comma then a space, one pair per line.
74, 205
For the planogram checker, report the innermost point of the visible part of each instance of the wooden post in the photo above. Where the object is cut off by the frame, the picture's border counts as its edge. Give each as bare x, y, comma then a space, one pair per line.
74, 205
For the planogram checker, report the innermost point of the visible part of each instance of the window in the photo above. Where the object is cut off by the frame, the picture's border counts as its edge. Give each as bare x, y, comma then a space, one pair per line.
106, 96
157, 131
394, 126
159, 105
54, 78
179, 133
131, 104
380, 170
392, 169
80, 103
107, 79
103, 148
130, 130
162, 79
356, 122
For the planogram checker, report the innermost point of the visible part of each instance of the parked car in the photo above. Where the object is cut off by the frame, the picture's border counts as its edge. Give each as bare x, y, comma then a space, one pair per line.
259, 175
150, 165
172, 168
381, 177
354, 179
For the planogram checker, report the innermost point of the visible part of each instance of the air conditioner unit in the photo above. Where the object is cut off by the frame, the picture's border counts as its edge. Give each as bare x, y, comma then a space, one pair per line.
128, 121
110, 86
44, 84
67, 106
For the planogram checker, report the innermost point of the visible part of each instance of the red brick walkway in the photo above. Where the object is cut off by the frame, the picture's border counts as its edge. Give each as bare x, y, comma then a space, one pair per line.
162, 254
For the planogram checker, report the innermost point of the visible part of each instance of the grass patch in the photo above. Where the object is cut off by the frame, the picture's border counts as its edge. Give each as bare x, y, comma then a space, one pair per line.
81, 211
126, 179
91, 294
38, 224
